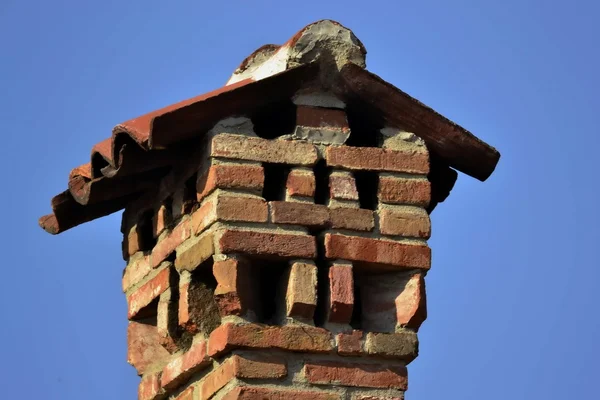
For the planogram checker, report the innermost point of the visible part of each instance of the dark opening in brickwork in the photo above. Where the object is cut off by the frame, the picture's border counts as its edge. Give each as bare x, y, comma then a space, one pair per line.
145, 231
275, 180
364, 129
321, 172
366, 185
271, 302
275, 120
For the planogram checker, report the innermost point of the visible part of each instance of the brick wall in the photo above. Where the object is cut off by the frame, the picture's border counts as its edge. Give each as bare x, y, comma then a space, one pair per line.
289, 267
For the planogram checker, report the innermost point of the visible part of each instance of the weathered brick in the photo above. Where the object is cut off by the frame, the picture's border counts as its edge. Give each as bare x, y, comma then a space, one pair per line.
137, 268
198, 311
411, 305
301, 294
321, 125
229, 207
350, 344
187, 394
194, 252
397, 190
377, 159
301, 183
162, 219
263, 393
168, 244
242, 208
402, 345
230, 176
149, 388
234, 293
287, 212
321, 117
244, 368
362, 397
342, 186
257, 149
204, 217
143, 346
375, 251
268, 244
357, 375
341, 293
355, 219
148, 292
166, 321
393, 300
214, 381
133, 241
181, 367
293, 338
404, 221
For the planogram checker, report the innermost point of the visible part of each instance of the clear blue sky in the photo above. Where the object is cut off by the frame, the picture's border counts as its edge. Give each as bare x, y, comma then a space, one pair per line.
513, 291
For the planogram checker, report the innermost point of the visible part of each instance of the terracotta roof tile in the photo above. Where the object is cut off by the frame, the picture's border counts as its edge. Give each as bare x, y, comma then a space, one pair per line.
140, 150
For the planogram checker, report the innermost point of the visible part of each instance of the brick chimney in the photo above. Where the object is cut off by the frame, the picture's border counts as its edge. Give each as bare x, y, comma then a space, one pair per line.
275, 230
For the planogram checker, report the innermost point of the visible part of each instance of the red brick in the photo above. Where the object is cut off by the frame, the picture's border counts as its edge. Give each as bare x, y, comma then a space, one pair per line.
229, 207
143, 346
341, 293
411, 307
257, 149
233, 294
242, 208
261, 393
293, 338
162, 219
375, 251
287, 212
259, 367
133, 241
194, 252
167, 245
301, 183
377, 159
149, 388
187, 394
244, 368
148, 292
350, 344
203, 217
268, 244
320, 117
342, 186
183, 366
301, 293
396, 190
137, 268
214, 381
230, 176
402, 345
357, 375
355, 219
406, 222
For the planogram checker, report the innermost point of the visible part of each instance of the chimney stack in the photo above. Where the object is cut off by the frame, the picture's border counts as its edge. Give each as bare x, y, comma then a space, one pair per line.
275, 230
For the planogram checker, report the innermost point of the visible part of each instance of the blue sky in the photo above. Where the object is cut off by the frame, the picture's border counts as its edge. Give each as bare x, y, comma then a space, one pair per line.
513, 291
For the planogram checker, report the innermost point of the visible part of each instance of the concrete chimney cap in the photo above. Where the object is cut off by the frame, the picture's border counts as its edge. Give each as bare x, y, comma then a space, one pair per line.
326, 41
